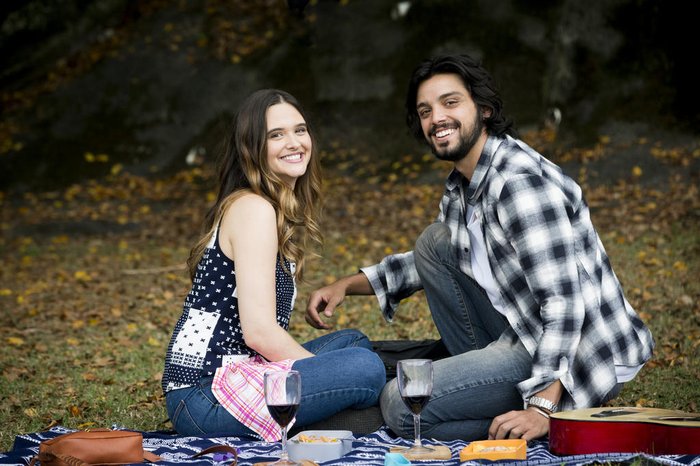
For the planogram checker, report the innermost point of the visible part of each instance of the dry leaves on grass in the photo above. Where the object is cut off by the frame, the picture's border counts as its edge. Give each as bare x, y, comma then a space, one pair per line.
102, 263
70, 253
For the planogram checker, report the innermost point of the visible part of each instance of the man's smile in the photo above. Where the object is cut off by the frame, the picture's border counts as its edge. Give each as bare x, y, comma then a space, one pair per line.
443, 131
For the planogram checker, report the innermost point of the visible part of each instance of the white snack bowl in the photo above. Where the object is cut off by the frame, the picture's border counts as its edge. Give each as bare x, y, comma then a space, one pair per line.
320, 451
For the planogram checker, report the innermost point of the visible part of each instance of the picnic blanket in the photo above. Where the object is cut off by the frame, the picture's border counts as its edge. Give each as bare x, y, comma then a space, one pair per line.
368, 450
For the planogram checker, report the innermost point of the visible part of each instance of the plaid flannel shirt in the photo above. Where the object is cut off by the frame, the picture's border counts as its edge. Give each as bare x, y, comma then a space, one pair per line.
561, 296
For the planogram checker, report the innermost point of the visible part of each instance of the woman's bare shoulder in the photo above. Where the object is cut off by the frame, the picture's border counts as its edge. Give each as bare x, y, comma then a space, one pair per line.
250, 203
249, 210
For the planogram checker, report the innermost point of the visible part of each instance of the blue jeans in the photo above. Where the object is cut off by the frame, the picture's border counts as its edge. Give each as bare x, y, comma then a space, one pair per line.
345, 373
478, 382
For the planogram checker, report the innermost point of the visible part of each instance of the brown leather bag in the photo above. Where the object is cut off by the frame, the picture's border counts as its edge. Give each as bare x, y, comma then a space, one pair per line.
99, 446
103, 447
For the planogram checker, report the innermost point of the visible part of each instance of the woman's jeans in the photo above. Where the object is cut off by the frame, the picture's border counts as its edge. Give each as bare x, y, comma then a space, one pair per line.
345, 373
479, 381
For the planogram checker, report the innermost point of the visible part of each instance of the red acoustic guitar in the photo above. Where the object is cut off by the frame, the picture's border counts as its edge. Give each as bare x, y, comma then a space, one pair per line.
624, 430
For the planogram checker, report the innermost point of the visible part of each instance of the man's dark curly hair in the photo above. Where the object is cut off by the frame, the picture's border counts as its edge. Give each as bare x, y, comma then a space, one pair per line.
476, 79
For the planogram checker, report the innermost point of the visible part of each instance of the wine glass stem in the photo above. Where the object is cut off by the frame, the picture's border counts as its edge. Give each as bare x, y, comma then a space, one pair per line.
284, 456
416, 429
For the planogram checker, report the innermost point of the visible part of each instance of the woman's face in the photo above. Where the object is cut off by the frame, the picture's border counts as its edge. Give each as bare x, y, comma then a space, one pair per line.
288, 142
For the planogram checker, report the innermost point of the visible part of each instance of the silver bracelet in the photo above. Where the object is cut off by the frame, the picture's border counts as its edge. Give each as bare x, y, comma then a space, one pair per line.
539, 411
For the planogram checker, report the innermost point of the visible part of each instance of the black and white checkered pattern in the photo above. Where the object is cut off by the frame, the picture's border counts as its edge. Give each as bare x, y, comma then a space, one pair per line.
561, 296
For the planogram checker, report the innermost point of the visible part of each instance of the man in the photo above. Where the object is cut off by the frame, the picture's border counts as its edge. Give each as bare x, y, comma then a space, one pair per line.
517, 280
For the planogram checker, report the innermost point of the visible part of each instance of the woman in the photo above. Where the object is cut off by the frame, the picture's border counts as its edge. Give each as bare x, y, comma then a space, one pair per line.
235, 319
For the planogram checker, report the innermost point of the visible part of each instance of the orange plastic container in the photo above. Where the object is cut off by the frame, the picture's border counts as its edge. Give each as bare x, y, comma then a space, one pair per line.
494, 450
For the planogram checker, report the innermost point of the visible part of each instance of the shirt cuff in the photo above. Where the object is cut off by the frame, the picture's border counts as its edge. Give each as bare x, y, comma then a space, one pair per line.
374, 274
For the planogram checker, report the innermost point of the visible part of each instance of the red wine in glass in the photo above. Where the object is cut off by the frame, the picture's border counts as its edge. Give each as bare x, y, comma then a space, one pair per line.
415, 403
282, 397
415, 380
283, 414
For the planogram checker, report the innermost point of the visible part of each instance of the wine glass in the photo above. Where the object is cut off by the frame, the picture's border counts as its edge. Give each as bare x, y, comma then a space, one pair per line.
415, 377
282, 396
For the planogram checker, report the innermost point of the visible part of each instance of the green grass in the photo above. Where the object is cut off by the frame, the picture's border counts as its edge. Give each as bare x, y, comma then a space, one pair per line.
667, 297
87, 316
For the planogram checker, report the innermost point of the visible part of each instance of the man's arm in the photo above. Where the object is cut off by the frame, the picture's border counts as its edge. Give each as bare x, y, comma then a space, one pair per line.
392, 280
533, 215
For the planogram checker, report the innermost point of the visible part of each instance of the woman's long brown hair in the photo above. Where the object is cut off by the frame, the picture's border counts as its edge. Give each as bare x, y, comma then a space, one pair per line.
243, 167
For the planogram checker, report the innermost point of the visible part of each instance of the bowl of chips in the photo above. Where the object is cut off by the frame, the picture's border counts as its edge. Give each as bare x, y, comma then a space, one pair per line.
319, 445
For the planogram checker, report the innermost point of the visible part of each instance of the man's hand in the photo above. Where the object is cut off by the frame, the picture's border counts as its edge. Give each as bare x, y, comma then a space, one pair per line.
527, 424
324, 301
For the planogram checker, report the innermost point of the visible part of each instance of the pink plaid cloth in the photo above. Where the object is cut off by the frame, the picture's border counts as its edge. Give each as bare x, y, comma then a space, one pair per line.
239, 387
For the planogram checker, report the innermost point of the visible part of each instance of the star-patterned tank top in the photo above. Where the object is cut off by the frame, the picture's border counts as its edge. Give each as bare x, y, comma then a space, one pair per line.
209, 329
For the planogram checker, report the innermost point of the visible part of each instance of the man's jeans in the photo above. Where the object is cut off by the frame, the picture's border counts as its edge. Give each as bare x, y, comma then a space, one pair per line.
345, 373
479, 381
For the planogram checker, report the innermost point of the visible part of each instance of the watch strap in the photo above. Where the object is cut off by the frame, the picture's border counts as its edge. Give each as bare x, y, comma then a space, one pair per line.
542, 403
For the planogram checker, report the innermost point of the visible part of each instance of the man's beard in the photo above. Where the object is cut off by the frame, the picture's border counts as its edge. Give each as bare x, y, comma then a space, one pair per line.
466, 142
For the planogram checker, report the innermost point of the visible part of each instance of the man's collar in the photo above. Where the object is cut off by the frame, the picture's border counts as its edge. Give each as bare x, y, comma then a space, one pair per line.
476, 184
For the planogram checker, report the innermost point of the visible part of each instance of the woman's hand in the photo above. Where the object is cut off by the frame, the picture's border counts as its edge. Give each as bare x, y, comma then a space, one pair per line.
527, 424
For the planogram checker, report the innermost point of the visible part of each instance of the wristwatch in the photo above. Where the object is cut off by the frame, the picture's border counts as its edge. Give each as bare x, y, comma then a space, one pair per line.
542, 403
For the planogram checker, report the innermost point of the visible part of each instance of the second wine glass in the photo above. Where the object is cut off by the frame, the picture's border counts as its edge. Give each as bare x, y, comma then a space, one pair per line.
282, 396
415, 378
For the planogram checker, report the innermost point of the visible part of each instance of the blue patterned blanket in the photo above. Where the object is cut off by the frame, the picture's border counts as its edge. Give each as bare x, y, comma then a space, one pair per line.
368, 450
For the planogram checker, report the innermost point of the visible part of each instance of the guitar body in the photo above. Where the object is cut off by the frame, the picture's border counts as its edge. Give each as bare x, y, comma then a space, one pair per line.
624, 430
